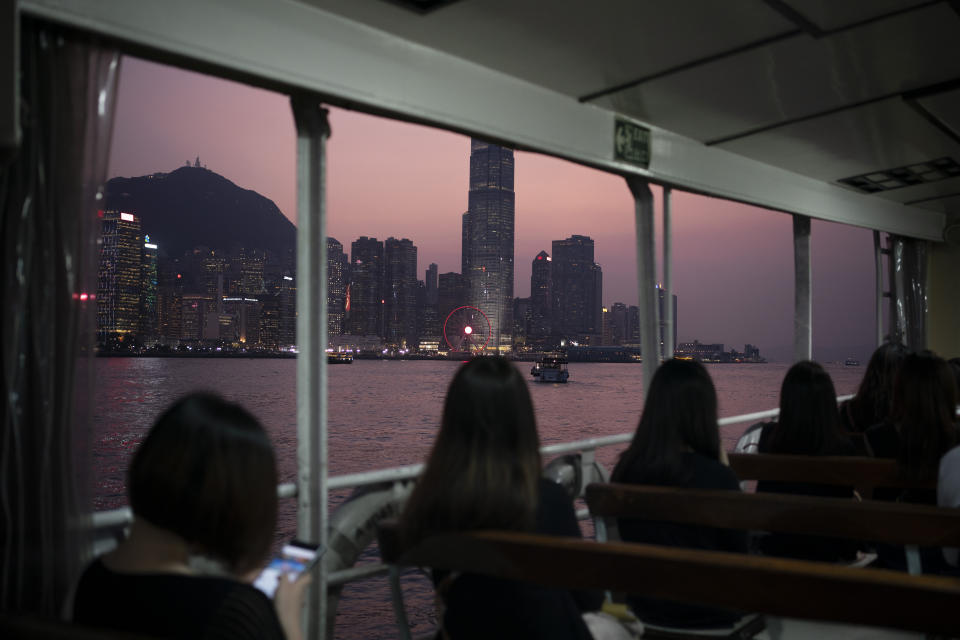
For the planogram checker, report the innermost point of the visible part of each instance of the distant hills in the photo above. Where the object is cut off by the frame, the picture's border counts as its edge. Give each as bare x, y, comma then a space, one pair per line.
193, 206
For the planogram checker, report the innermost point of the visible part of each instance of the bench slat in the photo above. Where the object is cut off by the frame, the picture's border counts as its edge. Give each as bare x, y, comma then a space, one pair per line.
847, 471
891, 523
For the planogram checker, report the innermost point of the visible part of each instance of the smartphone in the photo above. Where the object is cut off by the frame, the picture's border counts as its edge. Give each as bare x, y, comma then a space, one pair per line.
294, 558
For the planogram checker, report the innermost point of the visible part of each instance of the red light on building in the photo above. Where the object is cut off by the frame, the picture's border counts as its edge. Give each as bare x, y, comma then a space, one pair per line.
99, 213
179, 276
539, 257
84, 297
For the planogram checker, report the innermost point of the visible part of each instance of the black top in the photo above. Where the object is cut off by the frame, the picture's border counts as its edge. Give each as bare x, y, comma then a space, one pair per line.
883, 441
168, 605
704, 474
802, 546
486, 607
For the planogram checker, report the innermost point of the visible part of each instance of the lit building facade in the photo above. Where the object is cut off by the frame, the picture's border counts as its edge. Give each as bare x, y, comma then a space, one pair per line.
400, 292
541, 295
365, 316
119, 277
149, 321
577, 289
336, 287
487, 239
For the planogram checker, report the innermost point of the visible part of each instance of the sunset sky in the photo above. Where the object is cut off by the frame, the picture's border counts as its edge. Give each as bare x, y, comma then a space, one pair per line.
733, 264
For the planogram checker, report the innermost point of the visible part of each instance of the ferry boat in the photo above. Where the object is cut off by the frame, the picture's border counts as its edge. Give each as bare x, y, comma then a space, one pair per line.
551, 367
339, 357
843, 112
851, 362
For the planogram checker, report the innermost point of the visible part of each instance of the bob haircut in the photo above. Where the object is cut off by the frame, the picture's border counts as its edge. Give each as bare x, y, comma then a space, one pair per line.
484, 468
206, 472
924, 412
680, 414
871, 405
809, 422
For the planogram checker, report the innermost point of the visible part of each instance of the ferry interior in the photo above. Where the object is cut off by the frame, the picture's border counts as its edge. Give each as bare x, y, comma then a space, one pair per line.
844, 111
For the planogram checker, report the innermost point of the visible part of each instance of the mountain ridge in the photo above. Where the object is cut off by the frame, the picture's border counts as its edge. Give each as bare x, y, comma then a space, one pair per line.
194, 206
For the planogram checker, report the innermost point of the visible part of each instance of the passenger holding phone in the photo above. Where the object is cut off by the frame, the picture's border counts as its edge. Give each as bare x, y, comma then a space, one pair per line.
202, 483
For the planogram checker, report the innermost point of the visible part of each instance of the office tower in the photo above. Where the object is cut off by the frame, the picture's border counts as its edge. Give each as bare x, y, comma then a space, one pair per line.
606, 335
618, 324
170, 300
577, 289
487, 239
119, 279
149, 321
288, 311
336, 288
430, 281
633, 325
252, 264
400, 292
541, 295
661, 300
270, 322
522, 321
451, 293
366, 287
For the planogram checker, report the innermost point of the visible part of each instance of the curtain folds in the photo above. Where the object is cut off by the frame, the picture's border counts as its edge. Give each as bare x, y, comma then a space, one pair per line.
49, 197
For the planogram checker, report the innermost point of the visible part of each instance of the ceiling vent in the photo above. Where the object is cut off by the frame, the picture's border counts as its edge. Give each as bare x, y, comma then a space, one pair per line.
422, 7
907, 176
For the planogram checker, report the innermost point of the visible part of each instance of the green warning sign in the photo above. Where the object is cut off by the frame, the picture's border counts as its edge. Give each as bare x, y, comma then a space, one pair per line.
631, 143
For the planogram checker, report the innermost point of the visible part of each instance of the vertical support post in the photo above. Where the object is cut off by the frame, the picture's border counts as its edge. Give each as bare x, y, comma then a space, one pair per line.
646, 278
878, 307
313, 129
668, 335
803, 301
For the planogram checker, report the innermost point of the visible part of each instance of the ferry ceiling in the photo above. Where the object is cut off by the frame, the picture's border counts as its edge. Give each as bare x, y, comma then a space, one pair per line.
841, 111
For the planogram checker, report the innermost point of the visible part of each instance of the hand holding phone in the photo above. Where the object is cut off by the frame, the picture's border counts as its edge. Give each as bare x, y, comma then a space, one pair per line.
295, 558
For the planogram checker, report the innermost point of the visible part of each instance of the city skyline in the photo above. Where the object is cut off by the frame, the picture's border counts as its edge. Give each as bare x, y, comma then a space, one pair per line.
732, 263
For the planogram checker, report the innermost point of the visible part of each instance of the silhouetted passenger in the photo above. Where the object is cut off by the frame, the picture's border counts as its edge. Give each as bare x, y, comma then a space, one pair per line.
203, 482
809, 425
484, 472
677, 443
871, 404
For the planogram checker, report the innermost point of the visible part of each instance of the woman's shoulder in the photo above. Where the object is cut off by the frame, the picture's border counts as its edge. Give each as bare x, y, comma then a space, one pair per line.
707, 473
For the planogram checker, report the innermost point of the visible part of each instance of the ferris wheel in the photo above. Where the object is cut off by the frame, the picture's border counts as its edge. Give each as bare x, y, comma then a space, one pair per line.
467, 329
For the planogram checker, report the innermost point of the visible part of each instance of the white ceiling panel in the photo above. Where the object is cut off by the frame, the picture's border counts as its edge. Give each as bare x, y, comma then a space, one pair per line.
800, 76
872, 138
835, 14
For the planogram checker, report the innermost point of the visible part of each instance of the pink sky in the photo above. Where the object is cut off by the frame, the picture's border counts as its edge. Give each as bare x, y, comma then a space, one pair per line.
733, 264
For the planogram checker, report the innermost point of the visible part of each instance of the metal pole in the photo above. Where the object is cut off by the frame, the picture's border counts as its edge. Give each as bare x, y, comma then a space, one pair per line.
313, 130
803, 301
668, 335
878, 262
646, 278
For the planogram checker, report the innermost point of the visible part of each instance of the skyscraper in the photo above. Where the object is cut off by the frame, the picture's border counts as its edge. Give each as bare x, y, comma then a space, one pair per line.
451, 293
149, 321
400, 292
366, 287
577, 289
487, 239
119, 279
431, 283
541, 295
336, 287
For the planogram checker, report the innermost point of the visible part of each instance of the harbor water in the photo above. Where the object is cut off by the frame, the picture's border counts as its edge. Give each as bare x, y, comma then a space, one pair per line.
385, 413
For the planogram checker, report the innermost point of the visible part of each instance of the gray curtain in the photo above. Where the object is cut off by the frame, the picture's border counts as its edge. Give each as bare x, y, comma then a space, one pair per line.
49, 194
908, 275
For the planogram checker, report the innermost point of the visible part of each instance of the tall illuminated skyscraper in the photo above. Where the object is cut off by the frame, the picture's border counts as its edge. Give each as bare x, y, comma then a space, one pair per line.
487, 239
119, 279
366, 287
336, 287
577, 289
400, 292
149, 321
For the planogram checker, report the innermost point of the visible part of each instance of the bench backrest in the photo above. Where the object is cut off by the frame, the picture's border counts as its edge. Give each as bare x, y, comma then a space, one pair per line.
865, 474
892, 523
782, 587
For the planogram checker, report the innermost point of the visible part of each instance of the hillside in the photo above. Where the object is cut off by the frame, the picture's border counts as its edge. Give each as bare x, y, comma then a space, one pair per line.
193, 206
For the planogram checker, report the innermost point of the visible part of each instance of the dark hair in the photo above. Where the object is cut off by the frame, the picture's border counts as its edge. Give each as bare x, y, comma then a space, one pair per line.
809, 422
484, 468
206, 472
680, 414
955, 367
871, 405
924, 411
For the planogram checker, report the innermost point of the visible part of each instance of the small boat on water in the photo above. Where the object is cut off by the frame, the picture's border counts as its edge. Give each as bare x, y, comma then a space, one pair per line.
551, 367
339, 358
851, 362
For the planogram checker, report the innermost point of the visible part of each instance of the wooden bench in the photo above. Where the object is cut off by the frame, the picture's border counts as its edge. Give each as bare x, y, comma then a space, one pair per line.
781, 587
882, 522
864, 474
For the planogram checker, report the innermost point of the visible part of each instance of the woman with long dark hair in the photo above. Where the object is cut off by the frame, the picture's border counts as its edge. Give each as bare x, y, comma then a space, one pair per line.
923, 422
871, 404
677, 443
809, 425
484, 472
